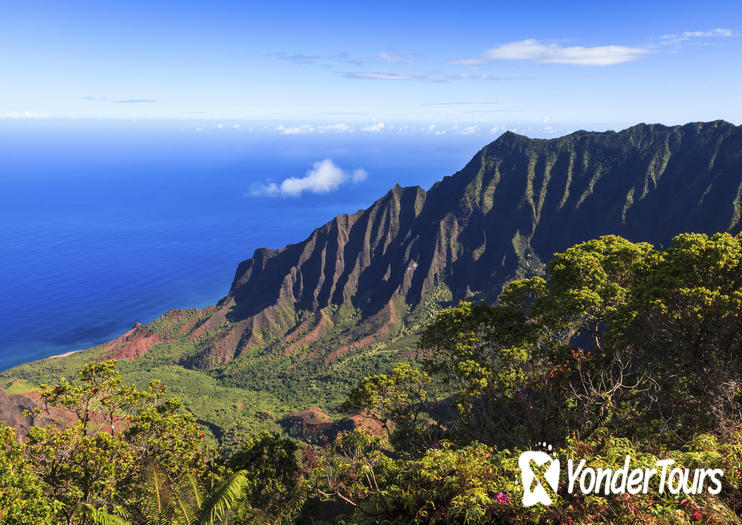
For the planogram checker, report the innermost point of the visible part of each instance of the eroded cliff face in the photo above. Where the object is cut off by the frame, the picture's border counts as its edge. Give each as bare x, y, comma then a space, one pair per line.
501, 217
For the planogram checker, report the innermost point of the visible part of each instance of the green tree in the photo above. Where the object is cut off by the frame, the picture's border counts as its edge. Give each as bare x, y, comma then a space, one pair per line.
90, 466
618, 335
22, 493
274, 490
399, 402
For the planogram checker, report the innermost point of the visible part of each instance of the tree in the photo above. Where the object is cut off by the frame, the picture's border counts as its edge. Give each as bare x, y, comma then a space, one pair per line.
398, 401
22, 493
618, 335
274, 490
90, 466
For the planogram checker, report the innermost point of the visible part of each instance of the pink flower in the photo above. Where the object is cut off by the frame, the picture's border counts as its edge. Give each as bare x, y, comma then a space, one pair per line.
502, 498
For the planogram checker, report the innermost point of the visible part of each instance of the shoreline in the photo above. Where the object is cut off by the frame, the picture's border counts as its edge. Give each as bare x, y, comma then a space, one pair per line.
65, 354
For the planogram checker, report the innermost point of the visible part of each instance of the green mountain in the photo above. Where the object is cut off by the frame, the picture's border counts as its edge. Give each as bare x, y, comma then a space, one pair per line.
302, 323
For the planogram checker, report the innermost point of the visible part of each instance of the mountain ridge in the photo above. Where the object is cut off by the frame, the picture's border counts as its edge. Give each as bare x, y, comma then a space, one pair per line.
353, 294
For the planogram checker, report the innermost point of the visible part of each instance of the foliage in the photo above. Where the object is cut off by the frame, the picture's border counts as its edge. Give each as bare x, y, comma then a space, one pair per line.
272, 490
622, 350
621, 336
398, 401
88, 471
22, 498
478, 483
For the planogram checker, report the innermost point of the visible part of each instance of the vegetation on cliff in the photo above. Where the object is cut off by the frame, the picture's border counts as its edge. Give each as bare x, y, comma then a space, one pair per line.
303, 324
621, 350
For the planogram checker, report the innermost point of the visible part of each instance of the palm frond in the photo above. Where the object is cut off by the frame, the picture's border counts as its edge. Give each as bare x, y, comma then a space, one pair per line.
188, 496
196, 490
156, 485
101, 517
186, 508
220, 500
159, 510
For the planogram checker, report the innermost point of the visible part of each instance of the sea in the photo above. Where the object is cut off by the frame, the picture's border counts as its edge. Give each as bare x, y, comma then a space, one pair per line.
104, 223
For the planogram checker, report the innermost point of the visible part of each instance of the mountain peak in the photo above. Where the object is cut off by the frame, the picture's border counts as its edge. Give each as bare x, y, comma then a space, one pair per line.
362, 278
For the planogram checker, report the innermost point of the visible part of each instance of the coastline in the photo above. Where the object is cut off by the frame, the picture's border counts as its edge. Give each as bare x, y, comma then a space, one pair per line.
65, 354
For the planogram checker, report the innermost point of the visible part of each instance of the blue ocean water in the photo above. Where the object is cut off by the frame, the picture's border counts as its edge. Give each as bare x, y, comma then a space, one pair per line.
105, 223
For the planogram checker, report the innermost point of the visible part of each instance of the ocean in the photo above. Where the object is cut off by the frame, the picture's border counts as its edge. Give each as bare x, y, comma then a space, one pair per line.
106, 223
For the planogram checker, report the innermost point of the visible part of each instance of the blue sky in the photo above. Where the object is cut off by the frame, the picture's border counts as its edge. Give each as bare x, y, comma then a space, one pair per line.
336, 67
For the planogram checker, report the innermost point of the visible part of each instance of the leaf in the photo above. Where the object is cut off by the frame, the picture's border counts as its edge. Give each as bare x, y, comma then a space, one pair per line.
222, 498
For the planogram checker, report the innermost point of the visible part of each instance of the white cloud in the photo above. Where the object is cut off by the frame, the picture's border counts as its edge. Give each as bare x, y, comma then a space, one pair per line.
536, 51
714, 32
335, 128
303, 59
24, 114
358, 175
341, 127
394, 57
324, 177
377, 75
467, 130
220, 128
306, 128
678, 38
373, 128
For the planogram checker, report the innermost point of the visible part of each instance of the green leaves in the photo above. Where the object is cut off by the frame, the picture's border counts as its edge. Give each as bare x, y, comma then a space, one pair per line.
270, 466
22, 491
88, 466
622, 350
619, 334
222, 498
97, 391
398, 401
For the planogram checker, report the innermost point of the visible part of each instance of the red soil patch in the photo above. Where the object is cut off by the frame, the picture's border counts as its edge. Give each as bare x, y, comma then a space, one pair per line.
295, 332
133, 344
365, 422
138, 341
223, 350
321, 328
382, 332
188, 325
211, 323
312, 416
65, 418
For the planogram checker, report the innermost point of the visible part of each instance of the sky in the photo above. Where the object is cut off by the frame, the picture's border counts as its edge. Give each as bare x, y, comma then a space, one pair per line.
370, 67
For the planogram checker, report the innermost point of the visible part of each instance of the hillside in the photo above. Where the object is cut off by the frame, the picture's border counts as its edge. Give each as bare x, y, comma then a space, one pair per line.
302, 323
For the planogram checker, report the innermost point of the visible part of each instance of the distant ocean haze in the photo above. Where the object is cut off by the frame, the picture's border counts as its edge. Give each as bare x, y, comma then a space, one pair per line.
106, 224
